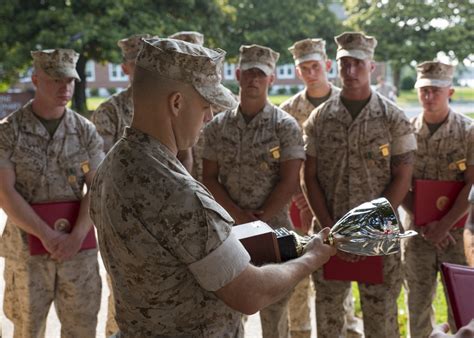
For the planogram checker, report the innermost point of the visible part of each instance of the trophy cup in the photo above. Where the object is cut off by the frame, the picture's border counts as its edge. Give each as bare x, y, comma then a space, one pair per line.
371, 229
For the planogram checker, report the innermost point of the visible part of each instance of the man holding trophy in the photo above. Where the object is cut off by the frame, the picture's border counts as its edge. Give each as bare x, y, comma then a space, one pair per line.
359, 147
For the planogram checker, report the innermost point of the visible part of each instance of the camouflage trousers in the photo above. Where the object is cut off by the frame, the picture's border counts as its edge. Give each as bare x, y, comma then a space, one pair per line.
111, 326
421, 263
300, 309
274, 319
74, 287
378, 302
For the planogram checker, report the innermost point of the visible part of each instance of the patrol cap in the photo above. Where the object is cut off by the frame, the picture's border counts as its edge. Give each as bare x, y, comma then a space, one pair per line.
131, 46
189, 63
308, 50
434, 73
356, 45
255, 56
189, 36
57, 63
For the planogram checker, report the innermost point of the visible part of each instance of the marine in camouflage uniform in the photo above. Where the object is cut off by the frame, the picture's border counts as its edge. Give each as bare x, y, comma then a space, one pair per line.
312, 65
176, 268
445, 153
250, 151
353, 158
47, 154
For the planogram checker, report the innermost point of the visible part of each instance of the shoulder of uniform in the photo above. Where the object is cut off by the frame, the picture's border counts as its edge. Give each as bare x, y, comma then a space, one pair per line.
290, 101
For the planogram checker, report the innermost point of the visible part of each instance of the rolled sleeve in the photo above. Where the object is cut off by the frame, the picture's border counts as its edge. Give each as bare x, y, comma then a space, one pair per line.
403, 137
291, 140
222, 265
6, 145
309, 135
404, 144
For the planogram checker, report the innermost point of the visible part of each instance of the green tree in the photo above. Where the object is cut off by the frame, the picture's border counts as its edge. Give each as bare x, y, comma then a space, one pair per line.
278, 24
92, 28
409, 30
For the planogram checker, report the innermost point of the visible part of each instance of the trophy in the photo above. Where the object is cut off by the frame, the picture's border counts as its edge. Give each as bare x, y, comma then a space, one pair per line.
371, 229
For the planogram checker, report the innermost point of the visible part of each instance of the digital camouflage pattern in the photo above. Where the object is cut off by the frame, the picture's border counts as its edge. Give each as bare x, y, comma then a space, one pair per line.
434, 73
112, 116
443, 156
256, 56
131, 46
49, 169
189, 63
353, 160
356, 45
308, 50
57, 63
300, 107
249, 155
189, 36
74, 286
164, 237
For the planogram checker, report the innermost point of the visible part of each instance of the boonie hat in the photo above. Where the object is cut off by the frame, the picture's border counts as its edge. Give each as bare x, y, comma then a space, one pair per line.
308, 50
356, 45
255, 56
189, 63
57, 63
189, 36
434, 73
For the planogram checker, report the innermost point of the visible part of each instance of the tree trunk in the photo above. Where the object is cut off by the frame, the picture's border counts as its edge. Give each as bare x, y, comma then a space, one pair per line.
397, 71
79, 103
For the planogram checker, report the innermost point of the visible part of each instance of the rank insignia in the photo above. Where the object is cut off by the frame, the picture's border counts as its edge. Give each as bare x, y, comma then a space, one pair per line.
275, 152
71, 179
85, 167
384, 150
461, 164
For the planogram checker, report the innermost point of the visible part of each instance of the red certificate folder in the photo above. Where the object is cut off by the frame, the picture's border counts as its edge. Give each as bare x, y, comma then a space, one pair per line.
369, 270
63, 216
459, 281
433, 199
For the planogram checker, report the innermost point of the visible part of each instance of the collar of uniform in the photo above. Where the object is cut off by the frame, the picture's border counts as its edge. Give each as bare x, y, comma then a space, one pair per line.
263, 115
32, 125
371, 110
421, 127
148, 143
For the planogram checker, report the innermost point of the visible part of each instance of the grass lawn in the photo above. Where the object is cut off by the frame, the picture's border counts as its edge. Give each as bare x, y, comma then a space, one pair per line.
439, 305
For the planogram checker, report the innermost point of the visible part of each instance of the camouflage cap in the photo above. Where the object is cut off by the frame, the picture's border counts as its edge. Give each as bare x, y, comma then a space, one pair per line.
131, 46
255, 56
308, 50
189, 36
189, 63
434, 73
57, 63
356, 45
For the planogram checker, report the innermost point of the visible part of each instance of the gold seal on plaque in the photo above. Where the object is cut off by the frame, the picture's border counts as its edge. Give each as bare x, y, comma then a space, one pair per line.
62, 225
441, 203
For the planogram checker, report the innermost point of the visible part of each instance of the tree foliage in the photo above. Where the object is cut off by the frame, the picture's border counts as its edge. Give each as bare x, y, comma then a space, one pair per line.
410, 31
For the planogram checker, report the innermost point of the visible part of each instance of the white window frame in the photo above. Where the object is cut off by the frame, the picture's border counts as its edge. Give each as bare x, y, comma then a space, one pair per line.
229, 71
286, 71
118, 70
90, 71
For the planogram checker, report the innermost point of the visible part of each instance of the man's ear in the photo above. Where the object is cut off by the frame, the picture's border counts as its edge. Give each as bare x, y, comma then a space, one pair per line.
175, 102
372, 66
451, 92
272, 78
34, 79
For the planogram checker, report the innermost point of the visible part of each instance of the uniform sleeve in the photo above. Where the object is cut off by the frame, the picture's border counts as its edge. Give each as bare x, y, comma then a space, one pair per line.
291, 140
470, 145
210, 145
310, 134
6, 144
402, 132
94, 146
105, 124
200, 237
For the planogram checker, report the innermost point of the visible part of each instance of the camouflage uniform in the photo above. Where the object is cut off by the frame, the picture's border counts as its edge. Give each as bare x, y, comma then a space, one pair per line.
164, 238
249, 156
453, 141
300, 107
43, 166
112, 116
352, 169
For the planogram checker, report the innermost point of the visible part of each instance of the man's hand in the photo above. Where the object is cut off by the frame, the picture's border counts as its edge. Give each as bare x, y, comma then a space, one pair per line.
435, 232
321, 251
68, 247
306, 217
441, 331
300, 201
246, 216
444, 244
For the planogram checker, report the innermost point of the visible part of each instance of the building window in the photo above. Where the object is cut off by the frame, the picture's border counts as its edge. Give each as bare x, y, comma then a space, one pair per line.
116, 73
90, 71
229, 71
332, 74
286, 71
